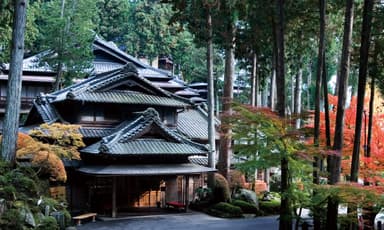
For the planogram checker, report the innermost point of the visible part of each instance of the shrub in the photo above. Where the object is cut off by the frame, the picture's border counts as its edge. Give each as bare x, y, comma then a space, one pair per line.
48, 223
221, 192
11, 220
270, 207
247, 196
225, 210
245, 206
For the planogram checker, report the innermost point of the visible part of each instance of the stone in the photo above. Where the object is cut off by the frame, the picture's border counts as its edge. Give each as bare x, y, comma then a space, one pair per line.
246, 195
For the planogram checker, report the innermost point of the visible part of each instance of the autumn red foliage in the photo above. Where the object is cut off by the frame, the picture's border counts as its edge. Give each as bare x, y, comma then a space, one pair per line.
371, 168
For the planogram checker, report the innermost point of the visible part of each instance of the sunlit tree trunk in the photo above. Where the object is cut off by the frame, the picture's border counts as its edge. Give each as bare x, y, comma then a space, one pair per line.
226, 131
298, 91
255, 83
12, 110
211, 100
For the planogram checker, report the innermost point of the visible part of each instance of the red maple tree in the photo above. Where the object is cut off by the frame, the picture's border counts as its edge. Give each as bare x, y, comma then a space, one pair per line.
371, 168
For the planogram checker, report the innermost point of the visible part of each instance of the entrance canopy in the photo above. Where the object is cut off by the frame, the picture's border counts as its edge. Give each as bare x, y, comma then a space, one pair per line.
144, 169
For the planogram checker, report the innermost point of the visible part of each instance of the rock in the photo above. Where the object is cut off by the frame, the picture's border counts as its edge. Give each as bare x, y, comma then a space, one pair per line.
246, 195
28, 217
2, 206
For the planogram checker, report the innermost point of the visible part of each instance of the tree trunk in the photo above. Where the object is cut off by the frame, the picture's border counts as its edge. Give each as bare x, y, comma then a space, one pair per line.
370, 119
272, 88
297, 102
309, 81
12, 110
320, 63
293, 86
322, 75
211, 101
255, 101
226, 131
285, 209
335, 161
326, 105
363, 68
280, 78
371, 100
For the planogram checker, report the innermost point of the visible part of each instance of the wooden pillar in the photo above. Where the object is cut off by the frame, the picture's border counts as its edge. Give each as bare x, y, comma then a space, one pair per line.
186, 192
114, 209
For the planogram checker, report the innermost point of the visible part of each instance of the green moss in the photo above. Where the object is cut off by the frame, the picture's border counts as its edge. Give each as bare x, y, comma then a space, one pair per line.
245, 206
225, 210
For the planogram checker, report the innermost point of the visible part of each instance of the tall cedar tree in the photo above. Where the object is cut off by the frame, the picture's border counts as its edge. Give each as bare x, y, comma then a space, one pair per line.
11, 121
226, 132
363, 68
335, 160
319, 75
67, 33
211, 98
285, 210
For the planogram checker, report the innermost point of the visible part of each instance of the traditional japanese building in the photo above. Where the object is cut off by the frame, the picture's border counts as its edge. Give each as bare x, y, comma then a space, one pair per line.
139, 141
39, 77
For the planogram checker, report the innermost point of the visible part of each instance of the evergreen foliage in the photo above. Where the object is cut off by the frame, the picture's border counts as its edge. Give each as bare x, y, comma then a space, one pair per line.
66, 32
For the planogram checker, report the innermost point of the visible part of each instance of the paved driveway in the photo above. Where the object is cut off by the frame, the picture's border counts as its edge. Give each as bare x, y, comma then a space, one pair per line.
185, 221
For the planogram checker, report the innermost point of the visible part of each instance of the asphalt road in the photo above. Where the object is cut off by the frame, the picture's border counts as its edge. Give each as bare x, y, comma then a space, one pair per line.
186, 221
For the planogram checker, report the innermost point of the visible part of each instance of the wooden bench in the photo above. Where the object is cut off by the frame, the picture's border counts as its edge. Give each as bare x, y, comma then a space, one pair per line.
84, 216
175, 204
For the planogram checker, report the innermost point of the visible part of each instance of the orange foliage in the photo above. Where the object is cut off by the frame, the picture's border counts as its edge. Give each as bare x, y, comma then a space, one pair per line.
42, 156
237, 180
370, 168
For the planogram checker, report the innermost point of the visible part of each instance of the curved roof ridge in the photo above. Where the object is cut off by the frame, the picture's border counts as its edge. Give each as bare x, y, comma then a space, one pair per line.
108, 141
139, 126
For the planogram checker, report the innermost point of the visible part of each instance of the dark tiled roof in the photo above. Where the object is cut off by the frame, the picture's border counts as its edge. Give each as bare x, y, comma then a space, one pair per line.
128, 98
197, 100
148, 147
145, 70
101, 67
90, 132
198, 85
100, 89
32, 63
131, 139
169, 85
46, 110
199, 160
153, 75
145, 170
187, 93
193, 123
